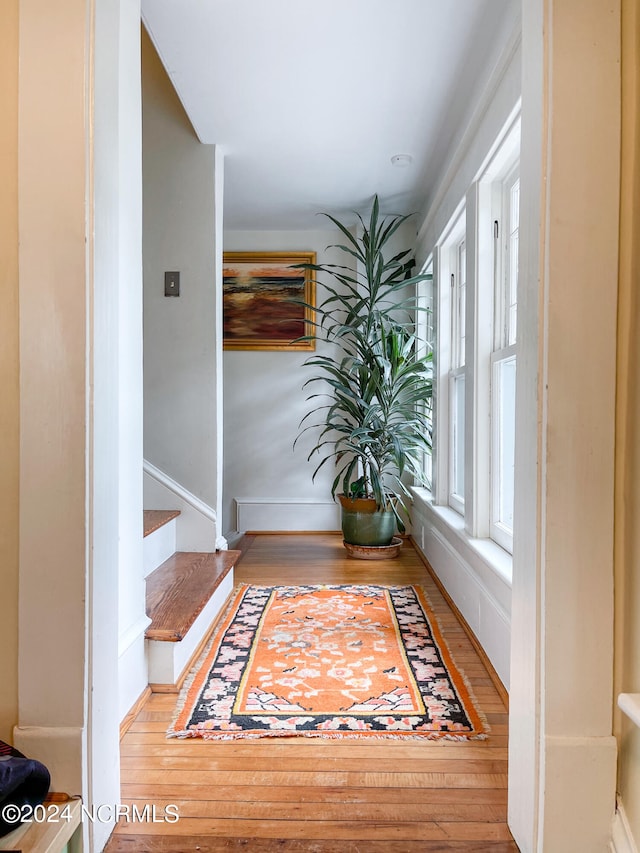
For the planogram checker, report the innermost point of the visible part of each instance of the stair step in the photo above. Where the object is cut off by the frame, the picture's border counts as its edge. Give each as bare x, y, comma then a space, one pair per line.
53, 832
179, 589
155, 518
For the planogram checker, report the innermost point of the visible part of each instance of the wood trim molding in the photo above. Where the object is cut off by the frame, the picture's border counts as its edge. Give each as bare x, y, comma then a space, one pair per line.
278, 514
629, 703
622, 840
133, 712
175, 487
291, 532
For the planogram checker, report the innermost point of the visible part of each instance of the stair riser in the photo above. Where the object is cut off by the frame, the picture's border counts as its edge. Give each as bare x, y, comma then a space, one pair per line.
168, 661
159, 546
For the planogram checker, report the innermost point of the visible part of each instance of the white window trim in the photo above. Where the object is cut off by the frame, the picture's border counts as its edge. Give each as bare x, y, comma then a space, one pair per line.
455, 500
486, 202
426, 292
501, 210
479, 340
442, 269
475, 510
498, 531
503, 172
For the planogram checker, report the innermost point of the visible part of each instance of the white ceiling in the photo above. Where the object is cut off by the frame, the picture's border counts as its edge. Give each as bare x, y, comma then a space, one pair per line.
310, 99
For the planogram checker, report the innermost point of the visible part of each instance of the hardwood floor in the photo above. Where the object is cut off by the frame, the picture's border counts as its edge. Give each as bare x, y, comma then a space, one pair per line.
321, 796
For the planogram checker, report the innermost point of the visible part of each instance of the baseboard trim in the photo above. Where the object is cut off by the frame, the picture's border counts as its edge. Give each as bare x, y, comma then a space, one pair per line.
280, 514
493, 675
164, 688
133, 712
293, 532
579, 777
622, 840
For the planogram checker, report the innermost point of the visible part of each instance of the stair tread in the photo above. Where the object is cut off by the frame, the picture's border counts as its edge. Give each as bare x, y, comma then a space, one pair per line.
155, 518
179, 589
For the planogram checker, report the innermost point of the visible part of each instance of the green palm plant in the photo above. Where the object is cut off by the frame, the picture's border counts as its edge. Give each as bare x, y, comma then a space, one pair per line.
371, 420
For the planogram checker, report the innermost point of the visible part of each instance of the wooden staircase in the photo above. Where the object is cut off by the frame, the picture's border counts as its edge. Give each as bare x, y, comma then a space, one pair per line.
186, 591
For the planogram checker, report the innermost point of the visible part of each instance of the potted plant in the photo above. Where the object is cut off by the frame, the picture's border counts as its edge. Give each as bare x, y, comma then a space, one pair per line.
372, 419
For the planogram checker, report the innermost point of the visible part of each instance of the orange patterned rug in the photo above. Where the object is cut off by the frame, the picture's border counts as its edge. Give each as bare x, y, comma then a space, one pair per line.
327, 661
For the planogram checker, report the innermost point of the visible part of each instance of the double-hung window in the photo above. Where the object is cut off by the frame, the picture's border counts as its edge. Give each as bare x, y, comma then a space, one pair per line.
503, 360
450, 275
476, 276
458, 284
425, 323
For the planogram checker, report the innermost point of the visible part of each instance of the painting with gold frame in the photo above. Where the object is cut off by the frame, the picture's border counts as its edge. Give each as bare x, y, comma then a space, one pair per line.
260, 290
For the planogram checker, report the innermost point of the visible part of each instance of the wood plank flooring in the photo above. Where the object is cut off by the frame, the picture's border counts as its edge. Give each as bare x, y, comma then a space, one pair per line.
309, 795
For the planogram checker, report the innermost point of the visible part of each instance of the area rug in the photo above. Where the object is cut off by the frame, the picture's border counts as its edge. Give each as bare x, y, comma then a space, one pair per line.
327, 661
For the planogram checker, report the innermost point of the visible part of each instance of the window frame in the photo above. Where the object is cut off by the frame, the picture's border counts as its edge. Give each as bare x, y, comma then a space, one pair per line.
504, 349
426, 334
446, 369
476, 356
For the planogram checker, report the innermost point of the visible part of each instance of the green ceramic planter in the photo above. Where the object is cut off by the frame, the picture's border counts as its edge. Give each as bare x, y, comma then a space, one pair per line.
368, 527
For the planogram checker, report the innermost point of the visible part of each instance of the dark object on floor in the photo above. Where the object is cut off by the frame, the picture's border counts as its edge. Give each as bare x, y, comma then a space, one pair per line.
24, 783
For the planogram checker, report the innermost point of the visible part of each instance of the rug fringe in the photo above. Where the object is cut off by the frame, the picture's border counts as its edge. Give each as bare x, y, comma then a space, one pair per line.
337, 735
193, 672
467, 683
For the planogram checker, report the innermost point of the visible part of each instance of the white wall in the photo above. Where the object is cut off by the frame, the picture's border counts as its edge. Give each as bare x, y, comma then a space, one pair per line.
491, 112
263, 404
181, 351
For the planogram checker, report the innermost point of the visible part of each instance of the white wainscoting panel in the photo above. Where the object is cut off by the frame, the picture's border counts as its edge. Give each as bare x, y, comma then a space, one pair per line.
132, 666
275, 514
480, 591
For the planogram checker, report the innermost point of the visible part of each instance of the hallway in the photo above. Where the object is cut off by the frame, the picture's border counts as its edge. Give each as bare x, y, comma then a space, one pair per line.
325, 796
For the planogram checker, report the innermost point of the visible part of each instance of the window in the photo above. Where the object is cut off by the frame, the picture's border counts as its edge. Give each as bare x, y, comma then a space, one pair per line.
458, 279
450, 293
503, 360
426, 334
476, 310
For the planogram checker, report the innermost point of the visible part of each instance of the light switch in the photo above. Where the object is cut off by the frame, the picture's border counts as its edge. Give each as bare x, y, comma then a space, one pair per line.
172, 284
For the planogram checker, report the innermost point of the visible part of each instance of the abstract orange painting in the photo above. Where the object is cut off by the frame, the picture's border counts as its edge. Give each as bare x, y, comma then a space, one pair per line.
268, 304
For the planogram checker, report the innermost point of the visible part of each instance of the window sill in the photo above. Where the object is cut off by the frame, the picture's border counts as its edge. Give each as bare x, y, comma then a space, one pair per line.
495, 557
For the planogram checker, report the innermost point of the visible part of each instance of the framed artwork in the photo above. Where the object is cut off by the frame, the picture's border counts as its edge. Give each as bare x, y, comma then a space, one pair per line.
259, 300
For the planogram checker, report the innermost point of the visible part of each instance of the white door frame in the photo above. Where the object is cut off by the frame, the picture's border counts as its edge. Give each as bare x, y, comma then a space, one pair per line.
562, 753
